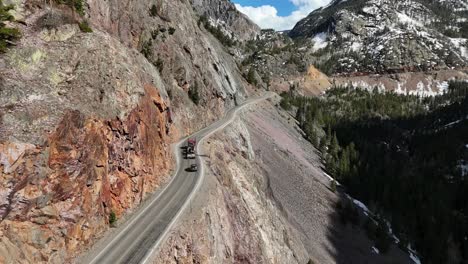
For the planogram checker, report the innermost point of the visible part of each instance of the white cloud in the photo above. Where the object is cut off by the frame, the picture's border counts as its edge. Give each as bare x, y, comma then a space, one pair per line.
266, 16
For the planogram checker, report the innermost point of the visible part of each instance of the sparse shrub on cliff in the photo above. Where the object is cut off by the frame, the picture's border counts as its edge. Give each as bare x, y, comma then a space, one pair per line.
216, 32
153, 10
348, 213
377, 231
194, 95
76, 5
146, 49
84, 27
285, 103
333, 186
112, 218
159, 64
7, 35
171, 31
53, 19
251, 77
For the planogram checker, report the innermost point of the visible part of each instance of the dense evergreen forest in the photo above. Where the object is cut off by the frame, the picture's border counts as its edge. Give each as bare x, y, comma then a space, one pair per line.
404, 156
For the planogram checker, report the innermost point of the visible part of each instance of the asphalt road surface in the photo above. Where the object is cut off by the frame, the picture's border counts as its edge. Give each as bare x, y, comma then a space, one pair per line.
137, 239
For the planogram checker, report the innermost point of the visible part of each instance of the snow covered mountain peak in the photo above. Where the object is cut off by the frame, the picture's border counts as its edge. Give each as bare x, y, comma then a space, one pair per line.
366, 36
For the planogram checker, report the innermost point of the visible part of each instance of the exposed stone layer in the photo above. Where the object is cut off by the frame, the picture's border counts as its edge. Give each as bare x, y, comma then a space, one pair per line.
57, 197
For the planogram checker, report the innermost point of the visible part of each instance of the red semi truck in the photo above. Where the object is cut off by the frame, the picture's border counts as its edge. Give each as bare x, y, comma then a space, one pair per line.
190, 151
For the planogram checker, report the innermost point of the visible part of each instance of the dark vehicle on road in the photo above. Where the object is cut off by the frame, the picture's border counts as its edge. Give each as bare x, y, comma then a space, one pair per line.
193, 168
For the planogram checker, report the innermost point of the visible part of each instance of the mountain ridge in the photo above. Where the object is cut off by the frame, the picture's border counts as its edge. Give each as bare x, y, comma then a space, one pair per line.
376, 36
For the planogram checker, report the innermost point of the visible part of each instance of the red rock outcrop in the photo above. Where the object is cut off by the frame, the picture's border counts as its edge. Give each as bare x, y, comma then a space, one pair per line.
55, 198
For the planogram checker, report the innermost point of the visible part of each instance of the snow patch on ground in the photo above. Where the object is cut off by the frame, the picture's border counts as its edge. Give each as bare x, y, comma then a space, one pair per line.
360, 205
390, 232
405, 19
35, 97
463, 165
356, 46
320, 41
413, 255
455, 122
460, 44
442, 86
426, 89
331, 178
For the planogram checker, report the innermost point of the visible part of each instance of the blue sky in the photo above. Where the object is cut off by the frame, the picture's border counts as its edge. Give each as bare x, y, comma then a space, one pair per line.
284, 7
278, 14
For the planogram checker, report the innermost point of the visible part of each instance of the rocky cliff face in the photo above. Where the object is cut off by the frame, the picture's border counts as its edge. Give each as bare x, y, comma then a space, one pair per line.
225, 15
86, 119
184, 52
410, 47
387, 36
84, 132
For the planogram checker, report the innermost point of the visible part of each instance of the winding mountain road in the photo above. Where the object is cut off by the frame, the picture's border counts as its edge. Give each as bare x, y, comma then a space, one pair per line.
136, 240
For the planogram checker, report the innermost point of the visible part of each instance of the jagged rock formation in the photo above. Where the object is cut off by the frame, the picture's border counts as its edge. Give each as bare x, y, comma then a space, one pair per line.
225, 15
278, 64
411, 47
185, 54
86, 119
81, 136
369, 36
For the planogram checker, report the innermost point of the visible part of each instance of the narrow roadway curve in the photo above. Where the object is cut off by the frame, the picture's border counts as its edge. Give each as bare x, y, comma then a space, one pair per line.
136, 240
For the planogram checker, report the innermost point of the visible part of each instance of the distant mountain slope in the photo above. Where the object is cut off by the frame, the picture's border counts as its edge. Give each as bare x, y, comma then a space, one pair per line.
368, 36
225, 15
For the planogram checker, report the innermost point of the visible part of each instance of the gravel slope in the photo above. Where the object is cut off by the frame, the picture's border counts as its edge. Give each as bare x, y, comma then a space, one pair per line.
300, 187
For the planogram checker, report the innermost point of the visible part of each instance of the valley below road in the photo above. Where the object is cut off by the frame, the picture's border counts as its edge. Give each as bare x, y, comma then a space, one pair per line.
135, 240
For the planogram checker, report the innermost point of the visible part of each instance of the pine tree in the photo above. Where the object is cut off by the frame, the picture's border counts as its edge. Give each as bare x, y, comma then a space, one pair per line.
300, 115
7, 35
194, 95
318, 117
310, 132
333, 185
344, 163
334, 147
323, 145
251, 77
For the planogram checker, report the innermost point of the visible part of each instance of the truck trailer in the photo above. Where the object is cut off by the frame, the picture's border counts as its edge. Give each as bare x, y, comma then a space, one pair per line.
190, 150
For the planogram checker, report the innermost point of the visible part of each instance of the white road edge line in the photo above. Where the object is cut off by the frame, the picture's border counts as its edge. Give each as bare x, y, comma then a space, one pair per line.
199, 182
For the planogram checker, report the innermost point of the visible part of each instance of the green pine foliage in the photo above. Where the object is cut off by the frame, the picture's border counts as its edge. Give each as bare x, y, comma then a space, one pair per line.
401, 154
84, 27
77, 5
112, 218
194, 94
251, 77
8, 35
216, 32
333, 186
153, 10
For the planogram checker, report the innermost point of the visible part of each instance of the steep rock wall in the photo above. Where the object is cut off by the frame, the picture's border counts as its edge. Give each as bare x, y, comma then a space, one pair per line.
186, 55
84, 131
